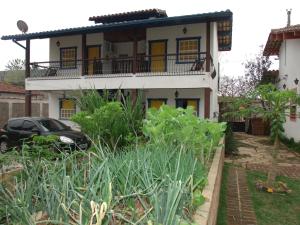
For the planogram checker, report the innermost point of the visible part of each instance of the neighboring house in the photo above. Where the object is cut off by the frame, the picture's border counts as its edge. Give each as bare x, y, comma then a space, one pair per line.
285, 43
168, 60
12, 102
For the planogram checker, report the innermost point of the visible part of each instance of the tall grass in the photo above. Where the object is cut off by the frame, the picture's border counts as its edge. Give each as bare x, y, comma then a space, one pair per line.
133, 187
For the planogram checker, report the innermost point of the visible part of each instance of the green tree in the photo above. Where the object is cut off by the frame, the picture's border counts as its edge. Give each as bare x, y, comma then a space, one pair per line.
274, 106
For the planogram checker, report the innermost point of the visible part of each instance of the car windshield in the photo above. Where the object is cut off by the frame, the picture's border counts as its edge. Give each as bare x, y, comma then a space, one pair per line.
52, 125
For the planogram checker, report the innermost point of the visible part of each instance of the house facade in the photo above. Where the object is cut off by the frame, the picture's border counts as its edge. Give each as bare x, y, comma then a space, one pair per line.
285, 43
168, 60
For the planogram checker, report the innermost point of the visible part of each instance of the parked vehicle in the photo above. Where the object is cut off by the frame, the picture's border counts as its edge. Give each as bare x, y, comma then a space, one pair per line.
18, 130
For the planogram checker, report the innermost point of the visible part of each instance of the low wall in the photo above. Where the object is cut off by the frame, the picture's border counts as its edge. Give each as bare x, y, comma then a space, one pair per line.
207, 213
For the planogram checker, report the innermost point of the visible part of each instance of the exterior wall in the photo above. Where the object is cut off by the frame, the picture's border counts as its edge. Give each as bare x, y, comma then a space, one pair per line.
289, 56
12, 105
170, 33
169, 94
138, 81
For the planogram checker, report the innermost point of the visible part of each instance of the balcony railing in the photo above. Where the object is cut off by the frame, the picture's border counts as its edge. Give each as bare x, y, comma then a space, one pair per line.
143, 65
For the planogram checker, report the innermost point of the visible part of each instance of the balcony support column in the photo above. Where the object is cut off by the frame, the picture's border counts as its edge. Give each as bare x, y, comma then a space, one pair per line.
207, 67
83, 54
135, 46
207, 103
27, 75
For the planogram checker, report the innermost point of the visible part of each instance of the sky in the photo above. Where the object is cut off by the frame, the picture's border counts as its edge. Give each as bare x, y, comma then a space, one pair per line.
252, 22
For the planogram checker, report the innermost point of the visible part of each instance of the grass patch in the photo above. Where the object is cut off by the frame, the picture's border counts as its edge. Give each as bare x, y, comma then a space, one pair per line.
222, 214
275, 209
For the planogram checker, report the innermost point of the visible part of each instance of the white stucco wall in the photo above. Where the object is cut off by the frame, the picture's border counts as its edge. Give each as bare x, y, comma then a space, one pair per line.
289, 64
172, 32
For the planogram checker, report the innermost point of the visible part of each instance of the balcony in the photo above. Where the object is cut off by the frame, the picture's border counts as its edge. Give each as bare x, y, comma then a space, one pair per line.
144, 71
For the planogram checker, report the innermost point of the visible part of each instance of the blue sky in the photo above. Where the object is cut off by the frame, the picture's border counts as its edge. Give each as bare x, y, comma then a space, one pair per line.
252, 22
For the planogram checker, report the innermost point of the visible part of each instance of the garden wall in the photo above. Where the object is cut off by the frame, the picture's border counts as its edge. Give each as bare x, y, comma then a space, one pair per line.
207, 213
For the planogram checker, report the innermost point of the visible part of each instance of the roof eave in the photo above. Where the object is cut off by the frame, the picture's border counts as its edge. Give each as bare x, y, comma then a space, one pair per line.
178, 20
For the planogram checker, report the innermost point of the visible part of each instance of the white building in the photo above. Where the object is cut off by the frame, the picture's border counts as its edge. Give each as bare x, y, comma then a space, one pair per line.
169, 60
285, 43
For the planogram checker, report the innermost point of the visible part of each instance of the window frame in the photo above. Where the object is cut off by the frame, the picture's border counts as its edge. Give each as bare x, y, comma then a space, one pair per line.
187, 99
165, 100
198, 38
60, 107
61, 60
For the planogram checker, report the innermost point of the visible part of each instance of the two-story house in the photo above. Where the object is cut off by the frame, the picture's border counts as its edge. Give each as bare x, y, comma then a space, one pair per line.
168, 60
285, 43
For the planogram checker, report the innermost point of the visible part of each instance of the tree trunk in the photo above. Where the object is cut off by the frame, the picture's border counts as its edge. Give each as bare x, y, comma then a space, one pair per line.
273, 170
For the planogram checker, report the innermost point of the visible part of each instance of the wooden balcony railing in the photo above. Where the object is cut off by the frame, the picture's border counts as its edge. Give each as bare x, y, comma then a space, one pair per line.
143, 65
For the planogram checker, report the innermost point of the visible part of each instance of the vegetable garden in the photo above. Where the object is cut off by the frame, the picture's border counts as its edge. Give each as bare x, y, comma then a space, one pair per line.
138, 171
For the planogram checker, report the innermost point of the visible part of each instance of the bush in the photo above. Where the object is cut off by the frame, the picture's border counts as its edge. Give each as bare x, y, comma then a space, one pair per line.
290, 143
180, 127
107, 123
113, 122
230, 142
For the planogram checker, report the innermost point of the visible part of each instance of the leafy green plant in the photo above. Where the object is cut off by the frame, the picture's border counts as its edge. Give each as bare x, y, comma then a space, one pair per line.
116, 123
290, 143
181, 127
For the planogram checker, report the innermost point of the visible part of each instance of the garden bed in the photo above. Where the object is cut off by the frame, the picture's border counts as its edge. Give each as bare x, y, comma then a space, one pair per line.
206, 214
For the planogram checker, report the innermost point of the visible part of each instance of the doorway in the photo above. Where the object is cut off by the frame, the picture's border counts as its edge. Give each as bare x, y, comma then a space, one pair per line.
158, 54
94, 65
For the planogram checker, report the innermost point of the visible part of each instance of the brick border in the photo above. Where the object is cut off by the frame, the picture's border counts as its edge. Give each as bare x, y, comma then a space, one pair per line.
240, 209
207, 213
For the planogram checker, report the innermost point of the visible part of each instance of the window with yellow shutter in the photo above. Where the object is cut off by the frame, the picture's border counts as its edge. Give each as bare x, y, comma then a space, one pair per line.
67, 108
156, 103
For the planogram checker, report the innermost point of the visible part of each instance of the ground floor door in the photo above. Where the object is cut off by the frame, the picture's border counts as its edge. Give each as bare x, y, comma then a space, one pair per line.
158, 50
94, 62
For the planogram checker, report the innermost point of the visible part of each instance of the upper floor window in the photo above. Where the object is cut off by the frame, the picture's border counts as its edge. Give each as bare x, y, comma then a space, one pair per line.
188, 50
68, 58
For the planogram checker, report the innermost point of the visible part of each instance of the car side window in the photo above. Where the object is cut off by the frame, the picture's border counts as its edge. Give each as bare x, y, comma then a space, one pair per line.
28, 125
15, 124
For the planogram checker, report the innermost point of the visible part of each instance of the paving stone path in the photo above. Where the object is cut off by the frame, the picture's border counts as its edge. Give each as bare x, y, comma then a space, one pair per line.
239, 204
255, 154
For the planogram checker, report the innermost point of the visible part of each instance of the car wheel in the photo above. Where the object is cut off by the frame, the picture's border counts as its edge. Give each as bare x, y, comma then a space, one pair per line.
3, 146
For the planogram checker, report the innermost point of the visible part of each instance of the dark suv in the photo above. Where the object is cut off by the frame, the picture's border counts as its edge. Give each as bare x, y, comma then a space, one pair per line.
19, 129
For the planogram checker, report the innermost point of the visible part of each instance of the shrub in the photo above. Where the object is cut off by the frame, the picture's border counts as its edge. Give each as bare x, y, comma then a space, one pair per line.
230, 142
181, 127
290, 143
116, 123
107, 123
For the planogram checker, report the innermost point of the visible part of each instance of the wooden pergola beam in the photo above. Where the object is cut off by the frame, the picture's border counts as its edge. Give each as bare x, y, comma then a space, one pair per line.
27, 75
